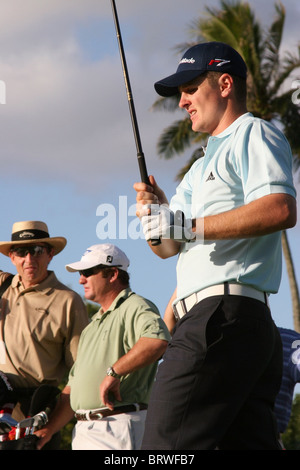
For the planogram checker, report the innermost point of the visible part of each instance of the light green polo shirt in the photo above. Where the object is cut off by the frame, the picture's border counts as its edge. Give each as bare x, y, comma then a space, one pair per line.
109, 336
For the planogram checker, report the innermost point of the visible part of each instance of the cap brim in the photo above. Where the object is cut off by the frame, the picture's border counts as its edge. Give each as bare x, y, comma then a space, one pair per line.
81, 265
57, 243
169, 86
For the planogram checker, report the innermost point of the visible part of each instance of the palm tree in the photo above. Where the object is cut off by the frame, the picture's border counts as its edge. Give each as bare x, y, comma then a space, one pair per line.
267, 98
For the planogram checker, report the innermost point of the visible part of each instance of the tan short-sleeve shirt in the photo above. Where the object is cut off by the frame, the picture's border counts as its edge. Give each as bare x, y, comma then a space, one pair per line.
39, 331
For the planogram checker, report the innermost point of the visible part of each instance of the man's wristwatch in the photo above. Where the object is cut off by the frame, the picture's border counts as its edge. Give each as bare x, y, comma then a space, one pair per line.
110, 371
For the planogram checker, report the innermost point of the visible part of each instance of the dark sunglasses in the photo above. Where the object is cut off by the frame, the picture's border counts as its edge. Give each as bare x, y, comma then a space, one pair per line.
23, 251
95, 270
89, 272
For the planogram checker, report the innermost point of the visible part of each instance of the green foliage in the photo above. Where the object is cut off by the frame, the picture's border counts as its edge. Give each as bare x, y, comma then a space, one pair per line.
176, 138
268, 69
291, 437
91, 308
66, 436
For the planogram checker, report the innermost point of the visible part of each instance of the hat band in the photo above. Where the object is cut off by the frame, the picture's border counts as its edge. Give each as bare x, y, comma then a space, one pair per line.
28, 235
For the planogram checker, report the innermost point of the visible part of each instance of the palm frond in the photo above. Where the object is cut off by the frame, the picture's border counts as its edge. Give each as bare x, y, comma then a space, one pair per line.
198, 153
175, 139
166, 104
235, 23
272, 42
290, 119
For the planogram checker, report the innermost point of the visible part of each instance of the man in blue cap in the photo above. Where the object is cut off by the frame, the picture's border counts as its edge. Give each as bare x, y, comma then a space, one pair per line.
220, 375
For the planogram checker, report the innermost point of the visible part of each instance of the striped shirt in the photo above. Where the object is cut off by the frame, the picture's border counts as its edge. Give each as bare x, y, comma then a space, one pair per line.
290, 376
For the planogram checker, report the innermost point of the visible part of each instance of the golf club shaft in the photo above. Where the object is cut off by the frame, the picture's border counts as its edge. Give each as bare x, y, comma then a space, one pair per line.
135, 127
140, 154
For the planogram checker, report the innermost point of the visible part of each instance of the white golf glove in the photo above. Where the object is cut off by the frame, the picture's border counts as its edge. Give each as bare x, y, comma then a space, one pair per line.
163, 223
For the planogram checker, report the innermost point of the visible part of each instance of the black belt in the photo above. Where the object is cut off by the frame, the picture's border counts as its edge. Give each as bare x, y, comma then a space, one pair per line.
93, 415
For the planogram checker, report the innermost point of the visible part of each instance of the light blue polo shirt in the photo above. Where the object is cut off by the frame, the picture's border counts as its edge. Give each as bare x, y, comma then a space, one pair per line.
249, 160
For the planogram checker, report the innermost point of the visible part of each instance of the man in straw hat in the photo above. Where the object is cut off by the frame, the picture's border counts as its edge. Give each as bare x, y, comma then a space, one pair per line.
41, 319
110, 382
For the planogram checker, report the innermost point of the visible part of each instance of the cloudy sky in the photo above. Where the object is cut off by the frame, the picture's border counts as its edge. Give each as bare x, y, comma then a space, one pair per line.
67, 150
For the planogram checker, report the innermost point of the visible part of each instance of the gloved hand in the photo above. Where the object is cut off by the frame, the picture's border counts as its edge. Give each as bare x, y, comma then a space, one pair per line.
159, 221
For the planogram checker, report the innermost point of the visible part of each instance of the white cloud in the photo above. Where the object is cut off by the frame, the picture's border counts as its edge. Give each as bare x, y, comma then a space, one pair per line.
66, 114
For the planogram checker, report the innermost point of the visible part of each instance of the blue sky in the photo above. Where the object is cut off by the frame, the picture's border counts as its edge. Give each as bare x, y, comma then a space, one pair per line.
67, 148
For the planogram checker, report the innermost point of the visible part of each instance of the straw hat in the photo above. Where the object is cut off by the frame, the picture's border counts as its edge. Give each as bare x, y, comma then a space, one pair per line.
29, 232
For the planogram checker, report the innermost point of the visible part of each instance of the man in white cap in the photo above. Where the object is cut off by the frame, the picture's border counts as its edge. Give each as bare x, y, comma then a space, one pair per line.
110, 382
41, 319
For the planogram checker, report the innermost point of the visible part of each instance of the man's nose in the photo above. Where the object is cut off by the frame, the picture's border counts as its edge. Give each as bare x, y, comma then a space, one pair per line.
183, 102
29, 256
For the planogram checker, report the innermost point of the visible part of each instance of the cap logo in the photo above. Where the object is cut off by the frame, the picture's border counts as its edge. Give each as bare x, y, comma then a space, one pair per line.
109, 259
219, 62
87, 252
187, 61
26, 235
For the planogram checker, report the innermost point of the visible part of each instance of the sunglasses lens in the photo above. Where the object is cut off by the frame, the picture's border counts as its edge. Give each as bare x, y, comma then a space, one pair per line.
91, 271
87, 272
22, 252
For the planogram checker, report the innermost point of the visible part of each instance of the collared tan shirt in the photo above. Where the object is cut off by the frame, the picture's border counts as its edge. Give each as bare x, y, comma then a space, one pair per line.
39, 331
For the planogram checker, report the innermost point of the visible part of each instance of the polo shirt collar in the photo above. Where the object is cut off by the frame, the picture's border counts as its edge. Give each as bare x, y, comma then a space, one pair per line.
233, 125
123, 295
44, 287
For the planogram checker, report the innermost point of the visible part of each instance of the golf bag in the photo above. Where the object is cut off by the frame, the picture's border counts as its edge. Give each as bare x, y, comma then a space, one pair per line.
19, 435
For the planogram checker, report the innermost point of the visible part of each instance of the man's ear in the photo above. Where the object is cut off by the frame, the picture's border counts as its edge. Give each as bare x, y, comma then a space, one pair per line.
114, 274
12, 258
225, 84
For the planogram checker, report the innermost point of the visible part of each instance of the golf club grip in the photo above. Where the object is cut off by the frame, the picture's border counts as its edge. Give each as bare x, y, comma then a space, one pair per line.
143, 169
140, 154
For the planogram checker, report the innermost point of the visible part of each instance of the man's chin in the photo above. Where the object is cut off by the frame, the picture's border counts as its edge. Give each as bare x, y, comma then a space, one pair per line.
32, 278
88, 295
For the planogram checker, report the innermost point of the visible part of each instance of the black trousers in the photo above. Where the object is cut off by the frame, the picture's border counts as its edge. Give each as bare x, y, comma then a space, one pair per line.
217, 383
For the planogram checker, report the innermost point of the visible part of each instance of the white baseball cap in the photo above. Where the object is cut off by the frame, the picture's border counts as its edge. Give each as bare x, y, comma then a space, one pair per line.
105, 254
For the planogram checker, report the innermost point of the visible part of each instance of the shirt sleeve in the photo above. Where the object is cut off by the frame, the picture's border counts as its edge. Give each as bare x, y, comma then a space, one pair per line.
77, 321
264, 161
144, 321
3, 276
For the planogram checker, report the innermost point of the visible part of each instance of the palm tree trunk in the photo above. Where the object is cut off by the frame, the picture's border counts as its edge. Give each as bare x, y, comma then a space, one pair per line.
292, 281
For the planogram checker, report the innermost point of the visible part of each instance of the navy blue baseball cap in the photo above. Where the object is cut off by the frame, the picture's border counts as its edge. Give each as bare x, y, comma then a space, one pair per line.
204, 57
